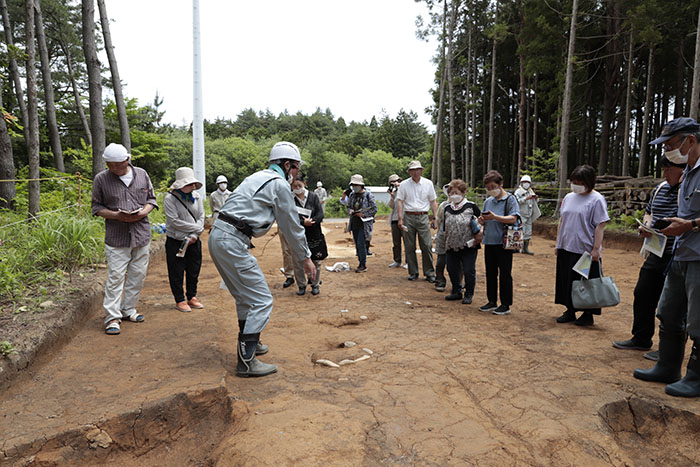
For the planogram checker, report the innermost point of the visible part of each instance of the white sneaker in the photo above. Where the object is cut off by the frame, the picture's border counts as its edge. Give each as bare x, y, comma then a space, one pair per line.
405, 266
394, 265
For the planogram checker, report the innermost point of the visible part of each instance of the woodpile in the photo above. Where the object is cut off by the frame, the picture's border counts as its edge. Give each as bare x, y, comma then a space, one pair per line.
625, 195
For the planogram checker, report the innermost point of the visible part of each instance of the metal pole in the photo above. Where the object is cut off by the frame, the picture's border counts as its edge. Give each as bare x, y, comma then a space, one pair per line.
197, 118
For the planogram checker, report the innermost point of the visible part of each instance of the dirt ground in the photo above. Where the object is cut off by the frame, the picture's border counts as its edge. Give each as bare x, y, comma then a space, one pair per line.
445, 384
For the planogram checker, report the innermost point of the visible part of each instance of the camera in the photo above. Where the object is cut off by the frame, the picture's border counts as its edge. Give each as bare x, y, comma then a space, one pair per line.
347, 192
392, 188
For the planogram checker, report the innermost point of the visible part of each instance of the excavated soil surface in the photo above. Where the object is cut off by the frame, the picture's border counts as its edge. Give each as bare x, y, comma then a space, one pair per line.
445, 384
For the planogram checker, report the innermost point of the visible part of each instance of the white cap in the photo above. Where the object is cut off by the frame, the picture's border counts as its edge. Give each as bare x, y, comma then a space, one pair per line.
357, 180
285, 150
525, 178
115, 153
221, 179
318, 183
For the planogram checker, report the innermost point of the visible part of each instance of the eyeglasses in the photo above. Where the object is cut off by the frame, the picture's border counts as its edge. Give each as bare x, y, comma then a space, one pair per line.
667, 146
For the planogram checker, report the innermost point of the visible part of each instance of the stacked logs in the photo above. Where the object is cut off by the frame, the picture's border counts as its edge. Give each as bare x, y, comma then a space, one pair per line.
625, 195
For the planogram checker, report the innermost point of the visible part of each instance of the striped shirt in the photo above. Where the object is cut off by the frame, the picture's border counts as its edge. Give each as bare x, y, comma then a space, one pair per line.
664, 203
109, 192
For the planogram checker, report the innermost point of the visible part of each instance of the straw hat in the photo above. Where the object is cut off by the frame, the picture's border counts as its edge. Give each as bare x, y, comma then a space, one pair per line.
183, 177
394, 178
414, 165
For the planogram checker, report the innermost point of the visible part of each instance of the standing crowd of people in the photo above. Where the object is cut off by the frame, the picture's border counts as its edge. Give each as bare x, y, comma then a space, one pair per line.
124, 196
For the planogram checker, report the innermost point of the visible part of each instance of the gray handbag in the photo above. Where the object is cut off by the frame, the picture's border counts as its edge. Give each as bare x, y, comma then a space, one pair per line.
599, 292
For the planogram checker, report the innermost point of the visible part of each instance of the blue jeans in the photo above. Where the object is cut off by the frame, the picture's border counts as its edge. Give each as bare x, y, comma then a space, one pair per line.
680, 299
359, 236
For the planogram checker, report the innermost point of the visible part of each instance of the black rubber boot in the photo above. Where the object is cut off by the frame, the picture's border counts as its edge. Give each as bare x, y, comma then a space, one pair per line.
689, 386
260, 349
668, 368
567, 317
526, 250
248, 365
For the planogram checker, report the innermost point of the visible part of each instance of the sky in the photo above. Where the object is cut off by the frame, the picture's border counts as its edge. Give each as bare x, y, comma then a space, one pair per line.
360, 58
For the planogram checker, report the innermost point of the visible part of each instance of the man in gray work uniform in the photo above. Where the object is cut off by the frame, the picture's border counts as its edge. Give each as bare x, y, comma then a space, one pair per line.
249, 212
679, 306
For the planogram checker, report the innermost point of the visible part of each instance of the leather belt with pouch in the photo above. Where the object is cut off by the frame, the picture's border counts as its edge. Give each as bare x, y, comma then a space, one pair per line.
244, 228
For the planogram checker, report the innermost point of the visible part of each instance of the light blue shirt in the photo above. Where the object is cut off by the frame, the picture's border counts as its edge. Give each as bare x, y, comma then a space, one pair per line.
493, 229
688, 244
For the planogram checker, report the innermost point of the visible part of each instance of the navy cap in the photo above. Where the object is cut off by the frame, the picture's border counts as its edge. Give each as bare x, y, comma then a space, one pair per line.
676, 126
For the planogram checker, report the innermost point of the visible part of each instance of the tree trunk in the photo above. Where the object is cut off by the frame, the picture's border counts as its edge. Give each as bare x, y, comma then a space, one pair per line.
51, 122
492, 97
436, 172
566, 108
76, 95
97, 123
7, 164
15, 76
116, 82
468, 156
535, 116
678, 107
473, 142
450, 56
628, 112
32, 113
647, 112
521, 110
695, 93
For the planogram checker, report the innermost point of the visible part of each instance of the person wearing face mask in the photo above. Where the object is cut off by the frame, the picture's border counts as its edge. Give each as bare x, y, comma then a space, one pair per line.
679, 305
459, 235
500, 208
184, 221
218, 197
252, 208
583, 215
652, 275
362, 208
322, 195
310, 216
529, 210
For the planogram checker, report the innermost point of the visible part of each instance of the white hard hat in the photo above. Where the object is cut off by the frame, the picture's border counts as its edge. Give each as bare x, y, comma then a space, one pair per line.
285, 150
115, 153
357, 180
319, 183
525, 178
221, 179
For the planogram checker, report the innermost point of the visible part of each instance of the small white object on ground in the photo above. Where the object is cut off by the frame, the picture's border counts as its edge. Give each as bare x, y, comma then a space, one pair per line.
46, 304
364, 349
349, 344
343, 311
346, 362
408, 303
328, 363
364, 357
523, 285
363, 317
338, 267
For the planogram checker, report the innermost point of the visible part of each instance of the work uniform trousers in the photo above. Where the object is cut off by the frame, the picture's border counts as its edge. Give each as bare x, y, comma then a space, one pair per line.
418, 224
288, 261
121, 295
499, 264
300, 275
396, 241
680, 300
647, 292
186, 267
527, 228
243, 278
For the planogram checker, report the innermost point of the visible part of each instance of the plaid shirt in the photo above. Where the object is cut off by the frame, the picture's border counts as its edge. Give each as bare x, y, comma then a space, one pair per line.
109, 192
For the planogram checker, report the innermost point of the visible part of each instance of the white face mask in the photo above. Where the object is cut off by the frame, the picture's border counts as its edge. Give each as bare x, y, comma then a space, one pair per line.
456, 199
526, 185
675, 155
298, 191
578, 189
496, 192
356, 188
222, 186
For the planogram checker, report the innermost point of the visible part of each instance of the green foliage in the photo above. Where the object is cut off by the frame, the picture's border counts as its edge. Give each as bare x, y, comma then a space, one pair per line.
6, 348
542, 165
625, 222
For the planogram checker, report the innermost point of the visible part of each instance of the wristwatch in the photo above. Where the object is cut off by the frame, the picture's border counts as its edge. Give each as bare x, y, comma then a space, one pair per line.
695, 226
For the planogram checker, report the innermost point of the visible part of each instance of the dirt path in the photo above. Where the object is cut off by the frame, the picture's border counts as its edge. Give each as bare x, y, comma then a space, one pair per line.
445, 385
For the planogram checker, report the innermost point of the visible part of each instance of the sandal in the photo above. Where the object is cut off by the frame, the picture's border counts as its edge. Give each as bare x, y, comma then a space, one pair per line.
112, 328
136, 318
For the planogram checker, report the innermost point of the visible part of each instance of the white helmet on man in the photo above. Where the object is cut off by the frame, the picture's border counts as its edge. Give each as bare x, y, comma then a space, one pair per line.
526, 178
221, 179
285, 150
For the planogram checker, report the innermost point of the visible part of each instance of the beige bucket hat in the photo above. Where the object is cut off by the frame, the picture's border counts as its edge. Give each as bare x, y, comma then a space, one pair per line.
357, 180
183, 177
414, 165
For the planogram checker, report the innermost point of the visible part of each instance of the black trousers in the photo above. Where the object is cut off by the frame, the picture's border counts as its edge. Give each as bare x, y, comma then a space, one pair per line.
566, 276
440, 269
647, 292
462, 262
187, 266
396, 237
499, 264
